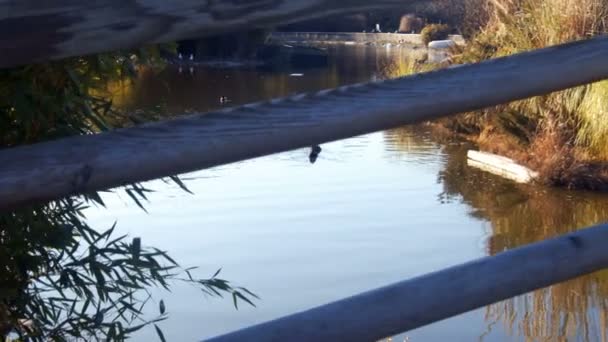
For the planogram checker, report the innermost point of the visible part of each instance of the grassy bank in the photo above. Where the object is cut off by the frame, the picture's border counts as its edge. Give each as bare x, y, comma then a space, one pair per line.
562, 135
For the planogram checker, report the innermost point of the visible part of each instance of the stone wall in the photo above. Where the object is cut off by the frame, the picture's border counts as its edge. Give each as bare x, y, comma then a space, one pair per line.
350, 37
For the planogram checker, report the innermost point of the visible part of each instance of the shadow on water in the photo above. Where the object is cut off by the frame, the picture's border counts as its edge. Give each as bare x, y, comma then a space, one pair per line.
523, 214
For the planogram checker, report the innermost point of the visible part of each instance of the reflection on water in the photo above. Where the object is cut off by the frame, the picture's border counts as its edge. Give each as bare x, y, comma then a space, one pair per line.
413, 144
519, 215
202, 90
372, 210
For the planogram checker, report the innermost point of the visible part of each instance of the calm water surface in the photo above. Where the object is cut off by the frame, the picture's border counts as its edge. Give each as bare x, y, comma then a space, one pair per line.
373, 210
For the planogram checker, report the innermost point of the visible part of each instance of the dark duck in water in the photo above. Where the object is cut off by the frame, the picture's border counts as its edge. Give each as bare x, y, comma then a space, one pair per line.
314, 153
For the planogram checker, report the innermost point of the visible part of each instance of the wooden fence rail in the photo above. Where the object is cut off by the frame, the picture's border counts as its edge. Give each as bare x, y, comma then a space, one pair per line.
35, 31
413, 303
86, 163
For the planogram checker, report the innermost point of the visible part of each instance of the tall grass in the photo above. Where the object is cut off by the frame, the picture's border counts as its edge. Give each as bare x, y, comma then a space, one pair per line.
577, 116
593, 117
466, 16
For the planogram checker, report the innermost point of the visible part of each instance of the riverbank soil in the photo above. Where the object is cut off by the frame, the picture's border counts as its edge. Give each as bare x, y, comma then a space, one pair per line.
563, 135
558, 162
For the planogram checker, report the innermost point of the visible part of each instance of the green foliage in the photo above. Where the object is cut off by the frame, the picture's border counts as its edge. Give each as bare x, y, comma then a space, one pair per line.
433, 32
67, 280
61, 279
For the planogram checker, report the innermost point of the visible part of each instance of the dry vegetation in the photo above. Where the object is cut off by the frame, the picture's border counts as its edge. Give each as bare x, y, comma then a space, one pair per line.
464, 16
434, 32
563, 135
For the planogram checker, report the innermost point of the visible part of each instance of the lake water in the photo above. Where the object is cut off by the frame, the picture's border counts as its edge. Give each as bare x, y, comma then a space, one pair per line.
371, 211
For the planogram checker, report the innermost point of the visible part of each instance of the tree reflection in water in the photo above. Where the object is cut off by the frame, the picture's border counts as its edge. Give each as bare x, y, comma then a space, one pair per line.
521, 214
516, 214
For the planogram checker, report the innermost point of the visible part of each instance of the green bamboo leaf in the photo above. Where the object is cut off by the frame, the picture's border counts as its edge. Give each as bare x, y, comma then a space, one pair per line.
135, 199
240, 296
235, 301
249, 292
94, 196
216, 273
160, 333
136, 248
181, 184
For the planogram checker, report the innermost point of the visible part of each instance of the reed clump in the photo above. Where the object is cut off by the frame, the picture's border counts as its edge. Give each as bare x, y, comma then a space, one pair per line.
433, 32
570, 124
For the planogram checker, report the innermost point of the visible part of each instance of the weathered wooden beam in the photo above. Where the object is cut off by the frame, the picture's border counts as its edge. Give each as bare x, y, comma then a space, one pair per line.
34, 31
411, 304
501, 166
86, 163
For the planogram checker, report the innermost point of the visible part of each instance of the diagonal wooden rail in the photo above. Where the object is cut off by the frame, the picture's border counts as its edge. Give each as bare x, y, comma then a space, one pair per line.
85, 163
35, 31
413, 303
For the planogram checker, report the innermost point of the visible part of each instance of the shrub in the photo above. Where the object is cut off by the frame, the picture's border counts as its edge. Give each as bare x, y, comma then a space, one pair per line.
464, 16
434, 32
410, 24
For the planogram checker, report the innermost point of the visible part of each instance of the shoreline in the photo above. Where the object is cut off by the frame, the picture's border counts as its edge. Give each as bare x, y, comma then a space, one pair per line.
557, 166
353, 38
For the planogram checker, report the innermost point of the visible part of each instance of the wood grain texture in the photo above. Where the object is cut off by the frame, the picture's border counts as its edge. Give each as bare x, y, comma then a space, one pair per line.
410, 304
34, 31
94, 162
